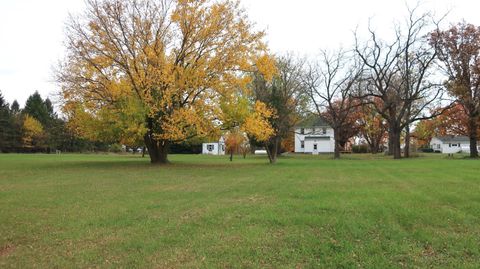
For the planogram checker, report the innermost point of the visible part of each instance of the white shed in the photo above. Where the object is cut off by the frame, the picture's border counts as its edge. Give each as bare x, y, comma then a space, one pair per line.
214, 148
451, 144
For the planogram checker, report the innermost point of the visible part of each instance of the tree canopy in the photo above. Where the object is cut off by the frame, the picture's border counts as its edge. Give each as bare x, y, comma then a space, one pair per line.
155, 69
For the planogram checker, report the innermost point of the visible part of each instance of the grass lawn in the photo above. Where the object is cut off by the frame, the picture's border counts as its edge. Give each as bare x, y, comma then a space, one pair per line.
65, 211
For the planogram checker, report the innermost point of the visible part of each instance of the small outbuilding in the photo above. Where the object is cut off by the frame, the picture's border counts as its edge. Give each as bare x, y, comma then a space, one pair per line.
451, 144
214, 148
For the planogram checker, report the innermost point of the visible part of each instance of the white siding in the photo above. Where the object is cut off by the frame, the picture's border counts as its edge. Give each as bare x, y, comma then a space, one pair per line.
213, 148
436, 144
298, 141
324, 145
450, 147
453, 147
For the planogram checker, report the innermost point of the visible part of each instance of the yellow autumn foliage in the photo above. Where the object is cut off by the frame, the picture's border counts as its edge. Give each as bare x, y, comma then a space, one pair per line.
257, 123
32, 131
156, 71
266, 66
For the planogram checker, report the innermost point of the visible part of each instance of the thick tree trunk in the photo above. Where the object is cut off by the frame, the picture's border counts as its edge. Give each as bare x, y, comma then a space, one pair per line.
336, 154
375, 145
406, 153
472, 131
391, 139
397, 150
394, 133
158, 150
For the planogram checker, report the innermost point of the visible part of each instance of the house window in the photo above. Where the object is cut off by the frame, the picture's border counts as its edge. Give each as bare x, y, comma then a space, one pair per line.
314, 146
302, 131
324, 131
302, 144
210, 147
223, 147
449, 145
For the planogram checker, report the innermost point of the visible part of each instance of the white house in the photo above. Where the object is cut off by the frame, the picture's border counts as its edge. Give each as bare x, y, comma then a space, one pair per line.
451, 144
314, 136
214, 148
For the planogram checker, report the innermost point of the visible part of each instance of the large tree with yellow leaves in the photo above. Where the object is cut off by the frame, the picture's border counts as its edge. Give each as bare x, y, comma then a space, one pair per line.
154, 69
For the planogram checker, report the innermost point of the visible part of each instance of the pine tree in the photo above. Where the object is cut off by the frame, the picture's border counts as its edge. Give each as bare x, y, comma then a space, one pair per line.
15, 107
6, 125
38, 108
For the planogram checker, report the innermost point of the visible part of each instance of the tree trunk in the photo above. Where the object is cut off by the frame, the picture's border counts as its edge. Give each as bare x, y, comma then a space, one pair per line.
336, 154
375, 145
272, 150
231, 155
143, 151
472, 131
397, 150
279, 147
374, 148
158, 150
406, 153
391, 139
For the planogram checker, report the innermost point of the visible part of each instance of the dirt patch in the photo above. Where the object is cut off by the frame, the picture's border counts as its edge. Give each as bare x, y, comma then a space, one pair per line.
6, 250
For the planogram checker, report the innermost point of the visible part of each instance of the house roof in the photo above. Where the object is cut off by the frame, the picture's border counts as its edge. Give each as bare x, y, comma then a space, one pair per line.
313, 121
452, 138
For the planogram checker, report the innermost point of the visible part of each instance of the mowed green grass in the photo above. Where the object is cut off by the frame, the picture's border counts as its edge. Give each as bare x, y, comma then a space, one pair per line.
66, 211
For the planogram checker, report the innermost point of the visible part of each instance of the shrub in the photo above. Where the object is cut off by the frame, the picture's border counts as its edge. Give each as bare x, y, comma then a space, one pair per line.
359, 148
115, 148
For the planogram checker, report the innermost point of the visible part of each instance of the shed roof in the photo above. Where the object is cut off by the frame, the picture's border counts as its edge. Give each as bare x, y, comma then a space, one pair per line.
453, 138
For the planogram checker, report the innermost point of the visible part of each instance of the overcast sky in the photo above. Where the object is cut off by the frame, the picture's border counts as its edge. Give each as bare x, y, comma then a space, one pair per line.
32, 31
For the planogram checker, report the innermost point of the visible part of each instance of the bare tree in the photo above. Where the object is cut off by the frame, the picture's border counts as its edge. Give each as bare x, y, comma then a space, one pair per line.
399, 75
330, 83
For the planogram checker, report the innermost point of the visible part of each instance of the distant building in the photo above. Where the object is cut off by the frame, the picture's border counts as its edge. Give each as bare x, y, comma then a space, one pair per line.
214, 148
314, 136
451, 144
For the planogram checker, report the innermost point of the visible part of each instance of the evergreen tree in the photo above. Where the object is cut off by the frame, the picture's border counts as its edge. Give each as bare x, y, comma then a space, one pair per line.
15, 107
6, 125
3, 102
41, 110
49, 106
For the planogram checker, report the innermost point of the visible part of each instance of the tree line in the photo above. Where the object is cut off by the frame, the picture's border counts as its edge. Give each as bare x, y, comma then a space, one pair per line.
37, 128
162, 72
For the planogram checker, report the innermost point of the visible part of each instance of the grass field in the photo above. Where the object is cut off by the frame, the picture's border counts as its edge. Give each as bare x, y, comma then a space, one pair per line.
66, 211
